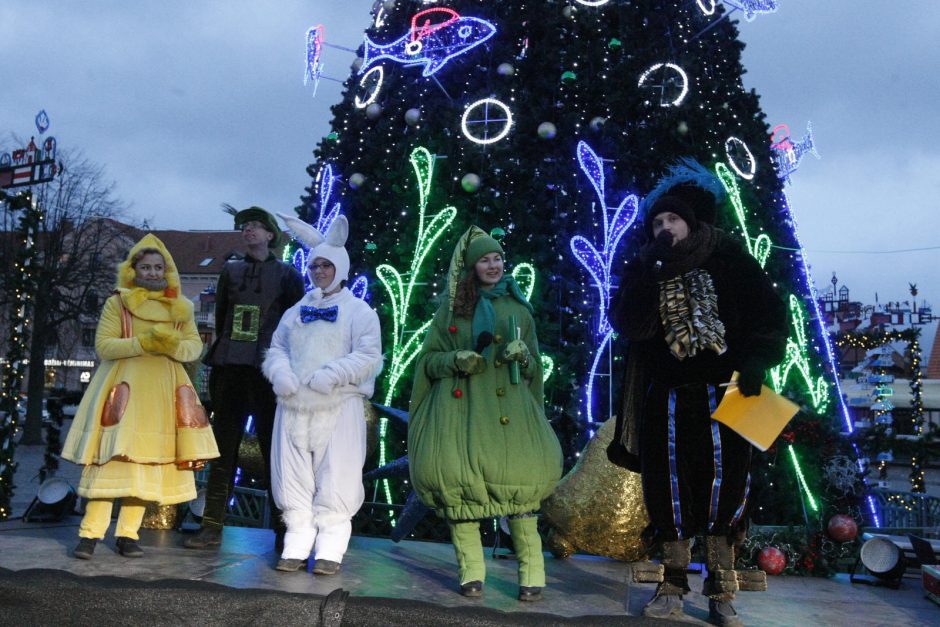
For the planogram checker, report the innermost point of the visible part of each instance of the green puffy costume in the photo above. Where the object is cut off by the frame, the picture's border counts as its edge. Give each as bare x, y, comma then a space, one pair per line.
490, 452
480, 446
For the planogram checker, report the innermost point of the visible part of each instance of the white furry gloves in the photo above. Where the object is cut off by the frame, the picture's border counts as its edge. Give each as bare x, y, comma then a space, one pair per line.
321, 382
285, 383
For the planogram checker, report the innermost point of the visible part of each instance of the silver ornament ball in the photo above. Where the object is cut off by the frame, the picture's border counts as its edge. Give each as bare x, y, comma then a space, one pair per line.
470, 183
505, 69
412, 116
374, 111
547, 130
356, 180
597, 123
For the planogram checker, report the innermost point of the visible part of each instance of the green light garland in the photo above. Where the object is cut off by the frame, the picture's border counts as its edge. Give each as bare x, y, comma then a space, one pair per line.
399, 292
761, 245
801, 479
548, 367
524, 274
405, 349
797, 358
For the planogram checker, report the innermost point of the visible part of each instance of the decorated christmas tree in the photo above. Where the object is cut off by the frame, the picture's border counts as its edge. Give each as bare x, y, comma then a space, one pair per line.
545, 123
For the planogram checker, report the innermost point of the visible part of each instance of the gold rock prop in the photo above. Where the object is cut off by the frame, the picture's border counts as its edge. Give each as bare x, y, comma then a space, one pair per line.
597, 507
160, 516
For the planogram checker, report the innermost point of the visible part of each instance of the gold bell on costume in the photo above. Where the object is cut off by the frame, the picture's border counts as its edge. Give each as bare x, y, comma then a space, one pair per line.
597, 507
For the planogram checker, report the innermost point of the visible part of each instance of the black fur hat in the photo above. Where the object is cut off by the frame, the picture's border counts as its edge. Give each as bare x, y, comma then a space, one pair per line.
688, 190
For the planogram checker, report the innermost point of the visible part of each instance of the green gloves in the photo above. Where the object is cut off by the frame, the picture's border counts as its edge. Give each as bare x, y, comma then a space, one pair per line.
517, 351
469, 362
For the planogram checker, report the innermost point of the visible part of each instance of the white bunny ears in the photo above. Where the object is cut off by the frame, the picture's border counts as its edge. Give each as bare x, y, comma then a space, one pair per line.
308, 235
331, 247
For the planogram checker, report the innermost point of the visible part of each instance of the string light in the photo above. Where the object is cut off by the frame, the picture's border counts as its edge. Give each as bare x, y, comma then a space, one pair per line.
787, 155
707, 6
796, 358
801, 478
599, 263
760, 246
371, 83
732, 144
21, 286
432, 46
485, 103
879, 338
684, 82
398, 290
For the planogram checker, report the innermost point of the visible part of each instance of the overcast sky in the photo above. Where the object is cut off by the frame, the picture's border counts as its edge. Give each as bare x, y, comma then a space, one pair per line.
192, 103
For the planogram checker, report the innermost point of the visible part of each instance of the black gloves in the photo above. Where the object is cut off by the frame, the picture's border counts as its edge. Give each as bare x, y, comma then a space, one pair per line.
749, 381
661, 247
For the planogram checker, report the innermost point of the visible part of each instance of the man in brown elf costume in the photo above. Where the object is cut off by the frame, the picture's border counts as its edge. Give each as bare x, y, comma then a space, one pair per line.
695, 307
251, 296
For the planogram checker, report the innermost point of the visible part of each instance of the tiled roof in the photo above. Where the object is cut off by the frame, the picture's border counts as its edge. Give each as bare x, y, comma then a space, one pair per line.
933, 361
201, 252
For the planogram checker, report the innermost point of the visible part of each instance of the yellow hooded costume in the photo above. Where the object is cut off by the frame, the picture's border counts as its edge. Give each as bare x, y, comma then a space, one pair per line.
140, 428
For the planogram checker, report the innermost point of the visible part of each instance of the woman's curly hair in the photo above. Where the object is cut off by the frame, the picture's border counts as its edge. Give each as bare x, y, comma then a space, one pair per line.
466, 297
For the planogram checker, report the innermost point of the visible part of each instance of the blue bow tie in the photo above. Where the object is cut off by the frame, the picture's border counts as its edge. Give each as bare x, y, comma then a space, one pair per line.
311, 314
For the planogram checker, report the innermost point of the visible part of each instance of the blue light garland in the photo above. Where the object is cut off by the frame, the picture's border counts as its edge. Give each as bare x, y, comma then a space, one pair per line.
598, 263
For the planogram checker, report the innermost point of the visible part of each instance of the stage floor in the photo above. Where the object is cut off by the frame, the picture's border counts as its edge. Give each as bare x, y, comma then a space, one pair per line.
582, 586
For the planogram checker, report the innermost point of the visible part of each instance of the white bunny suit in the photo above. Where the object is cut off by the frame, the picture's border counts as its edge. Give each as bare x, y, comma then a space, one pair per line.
323, 360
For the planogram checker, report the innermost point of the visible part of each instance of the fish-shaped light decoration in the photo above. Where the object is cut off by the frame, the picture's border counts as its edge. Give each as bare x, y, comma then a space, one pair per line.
752, 8
787, 155
313, 69
436, 36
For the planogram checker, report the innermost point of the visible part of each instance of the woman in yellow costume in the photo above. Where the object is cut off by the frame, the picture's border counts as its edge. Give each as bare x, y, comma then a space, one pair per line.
139, 430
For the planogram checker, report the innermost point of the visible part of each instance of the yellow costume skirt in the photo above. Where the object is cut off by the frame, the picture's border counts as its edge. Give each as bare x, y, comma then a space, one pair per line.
164, 484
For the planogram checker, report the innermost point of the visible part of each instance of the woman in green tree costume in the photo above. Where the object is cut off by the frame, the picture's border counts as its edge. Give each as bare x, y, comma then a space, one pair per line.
478, 440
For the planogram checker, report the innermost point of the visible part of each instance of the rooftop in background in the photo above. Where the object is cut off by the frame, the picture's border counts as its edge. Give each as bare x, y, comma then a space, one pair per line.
202, 252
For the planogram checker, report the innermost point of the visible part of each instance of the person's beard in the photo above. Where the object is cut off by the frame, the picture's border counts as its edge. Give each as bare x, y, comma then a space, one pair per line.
153, 286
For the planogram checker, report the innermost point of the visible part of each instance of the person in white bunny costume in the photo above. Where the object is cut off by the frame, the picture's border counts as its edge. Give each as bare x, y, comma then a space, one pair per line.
322, 363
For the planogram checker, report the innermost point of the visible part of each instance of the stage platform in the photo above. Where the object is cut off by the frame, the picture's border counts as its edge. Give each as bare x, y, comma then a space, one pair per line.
408, 583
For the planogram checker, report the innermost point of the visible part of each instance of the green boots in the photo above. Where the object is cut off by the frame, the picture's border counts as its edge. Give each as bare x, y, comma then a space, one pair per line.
468, 547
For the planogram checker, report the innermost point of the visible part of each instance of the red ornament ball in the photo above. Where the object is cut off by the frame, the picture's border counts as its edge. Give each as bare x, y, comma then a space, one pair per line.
458, 393
842, 528
772, 560
452, 328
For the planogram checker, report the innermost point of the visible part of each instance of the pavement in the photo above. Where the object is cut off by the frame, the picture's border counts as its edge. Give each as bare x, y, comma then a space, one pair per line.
584, 586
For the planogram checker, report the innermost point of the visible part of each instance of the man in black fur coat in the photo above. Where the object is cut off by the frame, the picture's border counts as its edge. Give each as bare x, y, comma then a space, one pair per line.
695, 307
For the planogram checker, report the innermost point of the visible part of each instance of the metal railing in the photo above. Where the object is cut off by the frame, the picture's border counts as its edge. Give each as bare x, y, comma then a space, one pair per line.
906, 510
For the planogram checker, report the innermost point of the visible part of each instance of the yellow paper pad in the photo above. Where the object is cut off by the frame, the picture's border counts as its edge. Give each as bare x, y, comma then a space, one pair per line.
757, 419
